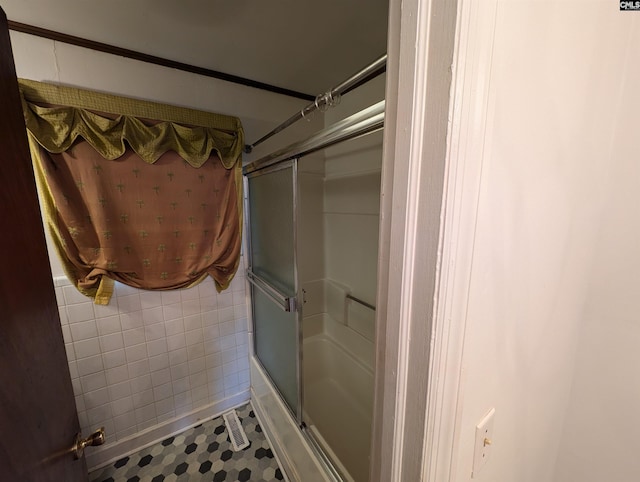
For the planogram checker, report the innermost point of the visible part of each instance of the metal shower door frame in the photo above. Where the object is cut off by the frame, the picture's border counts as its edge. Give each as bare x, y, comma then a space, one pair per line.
287, 304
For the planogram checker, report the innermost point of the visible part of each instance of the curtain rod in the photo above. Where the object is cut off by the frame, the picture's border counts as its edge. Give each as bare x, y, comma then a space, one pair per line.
329, 98
151, 59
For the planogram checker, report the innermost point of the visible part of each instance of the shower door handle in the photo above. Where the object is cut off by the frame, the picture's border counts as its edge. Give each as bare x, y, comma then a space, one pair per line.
287, 303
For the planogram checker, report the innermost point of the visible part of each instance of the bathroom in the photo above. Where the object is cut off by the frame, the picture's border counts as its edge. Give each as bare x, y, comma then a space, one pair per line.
541, 316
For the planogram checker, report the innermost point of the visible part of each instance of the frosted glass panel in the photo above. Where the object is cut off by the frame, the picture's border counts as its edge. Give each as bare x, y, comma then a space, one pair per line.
271, 205
276, 345
271, 211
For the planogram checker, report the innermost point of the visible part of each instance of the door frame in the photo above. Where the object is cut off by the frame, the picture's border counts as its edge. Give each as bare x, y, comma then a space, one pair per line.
432, 174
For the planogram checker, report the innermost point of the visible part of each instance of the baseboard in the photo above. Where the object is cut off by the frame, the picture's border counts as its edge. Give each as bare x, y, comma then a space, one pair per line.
101, 456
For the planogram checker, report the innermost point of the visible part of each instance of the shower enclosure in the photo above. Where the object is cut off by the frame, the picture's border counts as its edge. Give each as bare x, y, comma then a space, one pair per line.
313, 216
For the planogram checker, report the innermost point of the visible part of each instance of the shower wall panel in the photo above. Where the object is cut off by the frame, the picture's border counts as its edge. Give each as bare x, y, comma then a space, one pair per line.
351, 214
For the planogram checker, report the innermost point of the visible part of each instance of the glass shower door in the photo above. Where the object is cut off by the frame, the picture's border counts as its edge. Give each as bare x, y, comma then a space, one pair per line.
273, 276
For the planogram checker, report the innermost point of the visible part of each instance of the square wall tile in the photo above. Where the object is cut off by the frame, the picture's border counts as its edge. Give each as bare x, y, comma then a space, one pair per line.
137, 353
171, 297
111, 342
142, 399
177, 357
150, 299
158, 362
125, 421
104, 311
195, 351
122, 406
226, 314
129, 303
119, 390
155, 332
191, 307
87, 348
225, 300
208, 303
152, 315
113, 359
131, 320
193, 322
191, 337
97, 416
140, 384
227, 328
175, 342
174, 327
171, 312
163, 392
96, 398
165, 405
189, 294
83, 330
134, 337
179, 371
93, 382
90, 365
161, 377
80, 312
183, 400
157, 347
117, 375
138, 368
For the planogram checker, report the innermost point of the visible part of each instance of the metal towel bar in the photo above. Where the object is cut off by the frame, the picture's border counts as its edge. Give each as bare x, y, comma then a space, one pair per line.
287, 303
363, 303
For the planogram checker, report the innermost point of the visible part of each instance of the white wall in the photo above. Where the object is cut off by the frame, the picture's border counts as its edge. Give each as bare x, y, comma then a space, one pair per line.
542, 272
147, 359
600, 439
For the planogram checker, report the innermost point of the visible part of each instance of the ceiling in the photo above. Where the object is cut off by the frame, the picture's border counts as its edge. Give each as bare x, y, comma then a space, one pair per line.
300, 45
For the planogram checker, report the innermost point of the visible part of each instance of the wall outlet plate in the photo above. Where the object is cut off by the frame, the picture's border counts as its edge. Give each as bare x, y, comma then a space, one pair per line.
484, 441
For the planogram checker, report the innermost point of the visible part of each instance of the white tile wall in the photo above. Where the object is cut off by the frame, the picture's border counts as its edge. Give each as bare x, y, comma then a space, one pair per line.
150, 356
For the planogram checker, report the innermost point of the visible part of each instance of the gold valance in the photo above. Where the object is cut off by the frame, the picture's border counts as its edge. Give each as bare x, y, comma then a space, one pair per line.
57, 116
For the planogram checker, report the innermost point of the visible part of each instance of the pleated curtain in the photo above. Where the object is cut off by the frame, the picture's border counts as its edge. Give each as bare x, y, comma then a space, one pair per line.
143, 193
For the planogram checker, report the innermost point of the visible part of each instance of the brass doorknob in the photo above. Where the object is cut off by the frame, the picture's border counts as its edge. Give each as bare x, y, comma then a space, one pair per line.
96, 438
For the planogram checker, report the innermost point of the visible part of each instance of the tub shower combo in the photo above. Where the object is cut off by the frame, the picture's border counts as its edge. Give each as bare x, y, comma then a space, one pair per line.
312, 213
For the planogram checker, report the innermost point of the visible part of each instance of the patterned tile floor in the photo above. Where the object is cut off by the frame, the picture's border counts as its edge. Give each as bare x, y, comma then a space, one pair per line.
202, 453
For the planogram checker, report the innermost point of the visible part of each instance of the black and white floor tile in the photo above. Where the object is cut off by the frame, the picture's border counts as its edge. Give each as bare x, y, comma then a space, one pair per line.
203, 453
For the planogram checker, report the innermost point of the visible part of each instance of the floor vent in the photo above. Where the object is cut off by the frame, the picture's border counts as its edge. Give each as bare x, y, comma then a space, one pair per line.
238, 438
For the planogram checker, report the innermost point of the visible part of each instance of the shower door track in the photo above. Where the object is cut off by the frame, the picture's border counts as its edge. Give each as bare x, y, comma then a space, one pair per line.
366, 121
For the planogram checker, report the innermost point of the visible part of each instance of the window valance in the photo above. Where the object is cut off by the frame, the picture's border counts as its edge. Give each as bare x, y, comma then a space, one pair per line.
57, 116
139, 192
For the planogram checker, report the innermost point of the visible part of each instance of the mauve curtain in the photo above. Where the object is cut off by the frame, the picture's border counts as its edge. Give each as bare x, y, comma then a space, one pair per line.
152, 203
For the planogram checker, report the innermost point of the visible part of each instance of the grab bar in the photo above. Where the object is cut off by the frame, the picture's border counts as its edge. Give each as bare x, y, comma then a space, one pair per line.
363, 303
288, 303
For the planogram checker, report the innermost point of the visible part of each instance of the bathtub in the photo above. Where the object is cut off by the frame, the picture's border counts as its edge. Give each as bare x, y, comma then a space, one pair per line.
337, 380
338, 394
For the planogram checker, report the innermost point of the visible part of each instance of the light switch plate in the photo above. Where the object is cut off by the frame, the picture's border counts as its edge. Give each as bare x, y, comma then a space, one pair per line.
484, 441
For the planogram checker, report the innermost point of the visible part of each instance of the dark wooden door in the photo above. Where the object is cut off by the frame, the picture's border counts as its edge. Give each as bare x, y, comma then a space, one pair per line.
38, 419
